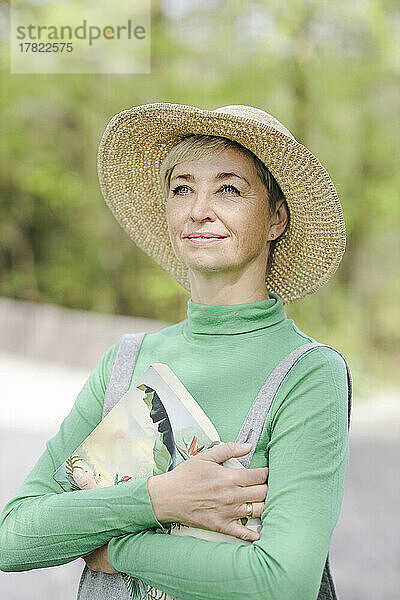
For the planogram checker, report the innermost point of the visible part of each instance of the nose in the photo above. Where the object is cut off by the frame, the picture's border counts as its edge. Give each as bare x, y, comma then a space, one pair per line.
202, 206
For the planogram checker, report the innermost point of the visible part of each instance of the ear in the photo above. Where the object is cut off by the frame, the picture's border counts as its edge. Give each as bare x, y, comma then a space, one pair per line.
280, 219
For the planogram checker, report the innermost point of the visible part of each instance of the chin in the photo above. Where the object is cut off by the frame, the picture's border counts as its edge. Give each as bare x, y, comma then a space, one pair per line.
203, 260
208, 266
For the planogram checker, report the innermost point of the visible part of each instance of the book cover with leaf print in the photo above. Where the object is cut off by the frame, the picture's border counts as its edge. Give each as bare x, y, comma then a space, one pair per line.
155, 426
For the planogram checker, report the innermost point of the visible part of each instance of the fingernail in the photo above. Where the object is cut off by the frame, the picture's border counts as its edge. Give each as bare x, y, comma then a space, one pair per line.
246, 445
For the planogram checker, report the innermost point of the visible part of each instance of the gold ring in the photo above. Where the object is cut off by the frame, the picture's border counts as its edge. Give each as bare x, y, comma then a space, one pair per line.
249, 513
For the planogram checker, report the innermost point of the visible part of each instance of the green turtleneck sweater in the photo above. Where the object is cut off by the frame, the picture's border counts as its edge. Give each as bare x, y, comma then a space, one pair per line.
223, 355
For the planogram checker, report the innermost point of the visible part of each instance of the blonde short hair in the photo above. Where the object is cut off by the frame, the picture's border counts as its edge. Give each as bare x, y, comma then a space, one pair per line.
196, 146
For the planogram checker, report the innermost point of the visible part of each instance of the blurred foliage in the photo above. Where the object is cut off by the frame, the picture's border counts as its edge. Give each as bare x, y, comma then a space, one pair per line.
327, 70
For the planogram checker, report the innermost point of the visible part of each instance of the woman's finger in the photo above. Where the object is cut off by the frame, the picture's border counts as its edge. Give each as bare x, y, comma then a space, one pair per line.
258, 509
83, 479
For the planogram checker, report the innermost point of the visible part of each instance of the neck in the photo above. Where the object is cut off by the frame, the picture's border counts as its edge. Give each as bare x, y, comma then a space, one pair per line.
228, 288
243, 317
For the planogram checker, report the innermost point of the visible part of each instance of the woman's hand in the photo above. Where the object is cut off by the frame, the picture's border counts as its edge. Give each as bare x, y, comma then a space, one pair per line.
202, 493
98, 560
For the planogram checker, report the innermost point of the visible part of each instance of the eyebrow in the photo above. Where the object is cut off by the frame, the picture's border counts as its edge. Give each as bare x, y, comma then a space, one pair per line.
218, 177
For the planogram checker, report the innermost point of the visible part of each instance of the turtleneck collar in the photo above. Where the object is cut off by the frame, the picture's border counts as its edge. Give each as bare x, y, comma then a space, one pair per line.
234, 318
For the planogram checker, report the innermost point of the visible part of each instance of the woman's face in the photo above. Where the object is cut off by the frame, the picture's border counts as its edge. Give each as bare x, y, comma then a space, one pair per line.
219, 194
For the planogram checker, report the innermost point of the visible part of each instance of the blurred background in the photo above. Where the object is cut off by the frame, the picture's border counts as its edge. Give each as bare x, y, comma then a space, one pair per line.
72, 281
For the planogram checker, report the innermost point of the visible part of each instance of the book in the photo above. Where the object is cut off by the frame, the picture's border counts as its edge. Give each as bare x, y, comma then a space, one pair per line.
154, 427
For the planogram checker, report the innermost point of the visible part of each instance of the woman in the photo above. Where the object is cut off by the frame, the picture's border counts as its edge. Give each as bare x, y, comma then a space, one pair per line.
247, 219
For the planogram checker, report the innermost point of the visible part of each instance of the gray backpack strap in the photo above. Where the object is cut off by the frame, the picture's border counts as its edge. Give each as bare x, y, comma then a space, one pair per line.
254, 422
122, 369
96, 585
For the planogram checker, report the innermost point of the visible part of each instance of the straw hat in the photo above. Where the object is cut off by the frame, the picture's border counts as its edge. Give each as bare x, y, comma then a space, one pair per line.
136, 141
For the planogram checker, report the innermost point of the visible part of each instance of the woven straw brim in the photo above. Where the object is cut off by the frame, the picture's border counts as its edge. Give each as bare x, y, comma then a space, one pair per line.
136, 142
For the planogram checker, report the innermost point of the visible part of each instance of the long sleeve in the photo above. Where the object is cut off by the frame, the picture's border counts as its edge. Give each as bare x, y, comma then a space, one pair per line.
307, 453
43, 526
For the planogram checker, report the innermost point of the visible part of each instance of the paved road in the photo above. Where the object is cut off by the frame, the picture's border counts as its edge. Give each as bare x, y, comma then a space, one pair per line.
365, 548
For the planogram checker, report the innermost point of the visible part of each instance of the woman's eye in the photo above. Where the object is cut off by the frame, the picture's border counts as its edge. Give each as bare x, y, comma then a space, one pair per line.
229, 185
178, 188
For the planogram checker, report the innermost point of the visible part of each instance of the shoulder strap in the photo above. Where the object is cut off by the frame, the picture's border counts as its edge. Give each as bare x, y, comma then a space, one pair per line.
254, 422
122, 369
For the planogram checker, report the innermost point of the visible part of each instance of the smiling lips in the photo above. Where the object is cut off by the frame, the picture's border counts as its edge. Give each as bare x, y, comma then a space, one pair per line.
204, 238
206, 234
